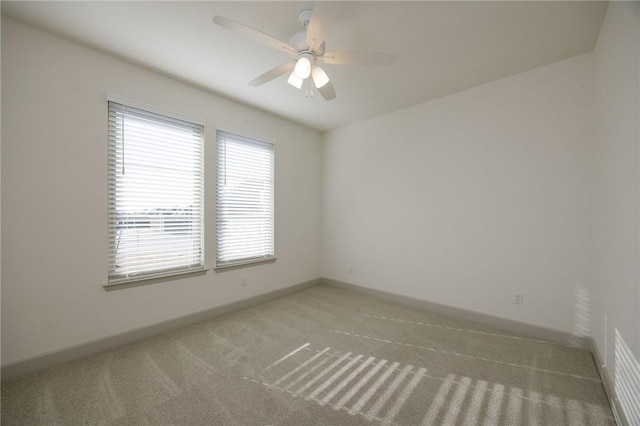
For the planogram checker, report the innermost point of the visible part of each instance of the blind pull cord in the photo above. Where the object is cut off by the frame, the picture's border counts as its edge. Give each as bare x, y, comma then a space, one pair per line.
123, 138
225, 161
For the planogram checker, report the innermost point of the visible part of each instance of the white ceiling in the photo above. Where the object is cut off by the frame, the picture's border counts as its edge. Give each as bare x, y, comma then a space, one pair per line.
441, 47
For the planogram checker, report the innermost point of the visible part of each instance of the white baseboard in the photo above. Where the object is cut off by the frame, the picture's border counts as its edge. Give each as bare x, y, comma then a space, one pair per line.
39, 362
534, 331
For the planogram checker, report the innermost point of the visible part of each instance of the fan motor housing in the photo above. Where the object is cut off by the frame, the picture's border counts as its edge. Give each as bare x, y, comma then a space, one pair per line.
299, 42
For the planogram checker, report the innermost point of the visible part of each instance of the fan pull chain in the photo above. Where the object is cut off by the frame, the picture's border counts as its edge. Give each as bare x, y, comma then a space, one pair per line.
308, 91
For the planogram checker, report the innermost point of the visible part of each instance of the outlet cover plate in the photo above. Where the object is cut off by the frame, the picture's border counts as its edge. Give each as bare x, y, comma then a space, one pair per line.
518, 298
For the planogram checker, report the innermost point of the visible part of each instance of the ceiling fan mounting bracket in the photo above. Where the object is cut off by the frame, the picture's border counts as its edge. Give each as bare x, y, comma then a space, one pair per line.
304, 17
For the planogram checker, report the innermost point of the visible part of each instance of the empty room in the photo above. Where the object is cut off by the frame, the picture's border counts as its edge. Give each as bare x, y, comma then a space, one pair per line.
320, 213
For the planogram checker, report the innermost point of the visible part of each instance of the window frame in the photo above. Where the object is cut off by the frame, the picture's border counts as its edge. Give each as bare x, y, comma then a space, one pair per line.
114, 279
234, 264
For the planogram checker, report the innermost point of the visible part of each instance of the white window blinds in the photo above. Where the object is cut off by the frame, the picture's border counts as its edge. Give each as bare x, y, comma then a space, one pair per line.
244, 202
155, 194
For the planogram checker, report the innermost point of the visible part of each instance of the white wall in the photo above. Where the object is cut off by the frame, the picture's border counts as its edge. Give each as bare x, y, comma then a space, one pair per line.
616, 294
464, 199
54, 206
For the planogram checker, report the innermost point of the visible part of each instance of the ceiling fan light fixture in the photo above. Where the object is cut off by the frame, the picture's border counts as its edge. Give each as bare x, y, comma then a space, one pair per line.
320, 78
307, 48
294, 80
303, 67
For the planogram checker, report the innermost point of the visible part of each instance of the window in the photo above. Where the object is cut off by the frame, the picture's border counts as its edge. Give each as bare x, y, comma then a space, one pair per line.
155, 195
244, 202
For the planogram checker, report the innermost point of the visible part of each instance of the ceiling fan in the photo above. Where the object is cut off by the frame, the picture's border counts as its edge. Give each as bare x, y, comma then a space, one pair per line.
307, 50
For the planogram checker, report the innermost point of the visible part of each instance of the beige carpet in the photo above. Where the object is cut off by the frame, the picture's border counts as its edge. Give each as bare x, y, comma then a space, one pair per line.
321, 356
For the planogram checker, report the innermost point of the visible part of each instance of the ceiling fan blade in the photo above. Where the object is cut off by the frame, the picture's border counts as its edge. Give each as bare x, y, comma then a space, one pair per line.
322, 17
327, 91
254, 34
271, 74
359, 57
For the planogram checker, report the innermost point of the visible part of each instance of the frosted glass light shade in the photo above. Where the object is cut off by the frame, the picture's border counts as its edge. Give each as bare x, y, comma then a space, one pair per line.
320, 78
303, 67
295, 81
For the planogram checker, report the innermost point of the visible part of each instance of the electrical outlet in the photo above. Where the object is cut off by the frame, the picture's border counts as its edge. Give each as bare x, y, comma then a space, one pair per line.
518, 298
351, 269
243, 281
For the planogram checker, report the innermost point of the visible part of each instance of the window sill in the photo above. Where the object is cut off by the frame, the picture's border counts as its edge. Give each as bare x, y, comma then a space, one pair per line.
151, 278
244, 264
